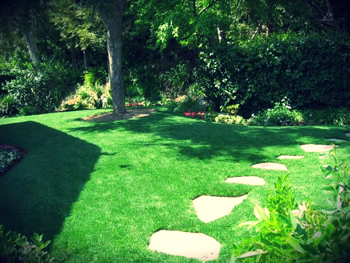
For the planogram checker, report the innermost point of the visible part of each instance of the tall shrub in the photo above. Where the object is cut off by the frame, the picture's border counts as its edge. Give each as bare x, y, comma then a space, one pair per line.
312, 70
36, 89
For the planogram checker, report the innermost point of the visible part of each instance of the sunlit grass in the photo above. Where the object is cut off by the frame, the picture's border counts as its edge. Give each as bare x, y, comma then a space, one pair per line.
99, 190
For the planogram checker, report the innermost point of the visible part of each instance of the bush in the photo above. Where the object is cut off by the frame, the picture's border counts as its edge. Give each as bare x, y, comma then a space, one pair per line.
312, 70
90, 95
15, 247
229, 119
35, 89
330, 116
280, 115
185, 104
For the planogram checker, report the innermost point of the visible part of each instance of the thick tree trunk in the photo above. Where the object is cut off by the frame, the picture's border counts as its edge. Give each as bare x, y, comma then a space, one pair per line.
32, 48
111, 15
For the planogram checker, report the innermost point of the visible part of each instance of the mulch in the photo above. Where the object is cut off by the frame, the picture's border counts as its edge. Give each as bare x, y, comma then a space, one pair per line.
110, 116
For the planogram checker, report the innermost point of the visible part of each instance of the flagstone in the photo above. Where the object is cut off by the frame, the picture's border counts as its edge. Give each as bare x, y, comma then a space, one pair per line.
281, 157
190, 245
316, 147
251, 180
270, 166
210, 208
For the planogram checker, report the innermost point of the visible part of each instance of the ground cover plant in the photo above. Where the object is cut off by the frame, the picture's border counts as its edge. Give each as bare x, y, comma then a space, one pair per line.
98, 191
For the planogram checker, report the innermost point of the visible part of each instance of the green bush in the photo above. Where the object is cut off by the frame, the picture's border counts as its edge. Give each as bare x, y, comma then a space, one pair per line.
35, 89
230, 119
280, 115
312, 70
90, 95
15, 247
185, 104
329, 116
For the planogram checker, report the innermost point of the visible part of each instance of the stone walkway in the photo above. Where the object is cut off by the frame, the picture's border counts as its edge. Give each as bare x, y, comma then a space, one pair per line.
210, 208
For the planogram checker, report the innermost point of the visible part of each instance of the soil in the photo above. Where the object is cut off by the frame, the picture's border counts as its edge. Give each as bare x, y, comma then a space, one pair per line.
109, 116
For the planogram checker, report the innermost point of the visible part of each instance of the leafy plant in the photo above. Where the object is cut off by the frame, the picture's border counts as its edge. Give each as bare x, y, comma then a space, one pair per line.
303, 234
15, 247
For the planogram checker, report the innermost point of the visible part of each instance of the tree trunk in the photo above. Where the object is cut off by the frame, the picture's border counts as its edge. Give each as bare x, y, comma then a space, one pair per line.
111, 16
31, 44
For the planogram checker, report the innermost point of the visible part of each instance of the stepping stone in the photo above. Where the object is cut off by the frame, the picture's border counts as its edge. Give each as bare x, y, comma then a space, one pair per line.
251, 180
347, 134
316, 148
270, 166
190, 245
336, 140
281, 157
210, 208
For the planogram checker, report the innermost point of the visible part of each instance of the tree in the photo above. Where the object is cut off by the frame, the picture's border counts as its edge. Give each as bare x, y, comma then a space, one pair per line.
22, 16
111, 14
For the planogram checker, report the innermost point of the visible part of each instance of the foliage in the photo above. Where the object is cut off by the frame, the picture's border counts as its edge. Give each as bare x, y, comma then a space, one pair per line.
185, 104
330, 116
35, 89
175, 81
231, 109
229, 119
310, 69
8, 155
15, 247
280, 115
91, 95
304, 234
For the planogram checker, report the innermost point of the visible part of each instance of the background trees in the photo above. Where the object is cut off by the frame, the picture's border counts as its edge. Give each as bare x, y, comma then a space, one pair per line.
212, 48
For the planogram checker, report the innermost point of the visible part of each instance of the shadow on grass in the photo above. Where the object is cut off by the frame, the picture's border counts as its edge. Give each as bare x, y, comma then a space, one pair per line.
205, 140
37, 194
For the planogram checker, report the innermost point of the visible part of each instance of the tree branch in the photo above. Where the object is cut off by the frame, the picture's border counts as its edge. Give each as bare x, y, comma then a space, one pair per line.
207, 7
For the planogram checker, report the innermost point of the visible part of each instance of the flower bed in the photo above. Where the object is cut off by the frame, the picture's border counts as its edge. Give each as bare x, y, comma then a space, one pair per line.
194, 114
9, 155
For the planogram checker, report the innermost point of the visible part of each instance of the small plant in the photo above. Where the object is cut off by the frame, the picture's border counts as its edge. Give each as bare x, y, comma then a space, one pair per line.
15, 247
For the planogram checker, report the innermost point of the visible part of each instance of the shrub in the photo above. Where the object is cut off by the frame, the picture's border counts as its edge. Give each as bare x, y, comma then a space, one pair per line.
7, 106
185, 104
330, 116
15, 247
176, 80
312, 70
90, 95
229, 119
35, 89
280, 115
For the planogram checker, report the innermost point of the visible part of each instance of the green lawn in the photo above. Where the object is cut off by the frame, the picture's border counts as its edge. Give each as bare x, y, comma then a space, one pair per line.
100, 190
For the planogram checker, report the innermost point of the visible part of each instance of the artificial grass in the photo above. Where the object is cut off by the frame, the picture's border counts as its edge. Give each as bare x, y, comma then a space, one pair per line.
100, 190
